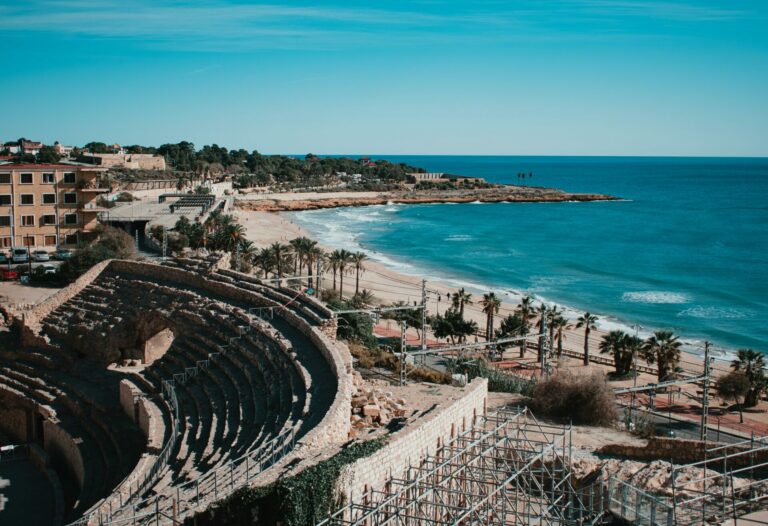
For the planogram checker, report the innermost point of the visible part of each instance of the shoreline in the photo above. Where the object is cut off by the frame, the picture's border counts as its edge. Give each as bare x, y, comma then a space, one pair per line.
389, 285
296, 202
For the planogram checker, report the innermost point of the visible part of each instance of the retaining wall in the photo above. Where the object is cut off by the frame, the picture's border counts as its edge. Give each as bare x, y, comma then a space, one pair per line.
413, 443
681, 451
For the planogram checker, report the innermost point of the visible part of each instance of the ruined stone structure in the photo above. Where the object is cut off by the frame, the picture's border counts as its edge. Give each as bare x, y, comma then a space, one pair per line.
158, 388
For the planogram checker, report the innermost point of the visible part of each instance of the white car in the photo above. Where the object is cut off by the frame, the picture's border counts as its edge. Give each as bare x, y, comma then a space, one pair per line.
41, 255
48, 269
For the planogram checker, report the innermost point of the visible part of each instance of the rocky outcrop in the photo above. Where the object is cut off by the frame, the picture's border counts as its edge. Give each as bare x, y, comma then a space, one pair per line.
487, 195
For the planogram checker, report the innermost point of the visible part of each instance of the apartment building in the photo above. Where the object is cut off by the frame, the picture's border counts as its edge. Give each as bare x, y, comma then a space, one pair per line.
48, 205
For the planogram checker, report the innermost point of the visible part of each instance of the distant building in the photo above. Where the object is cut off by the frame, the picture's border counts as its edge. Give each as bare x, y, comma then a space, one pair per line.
48, 205
463, 179
31, 147
132, 161
12, 147
424, 177
64, 151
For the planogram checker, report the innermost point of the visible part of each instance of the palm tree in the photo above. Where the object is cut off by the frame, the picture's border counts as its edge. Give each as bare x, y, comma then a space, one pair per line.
544, 314
752, 364
333, 261
358, 258
297, 244
553, 314
588, 321
491, 306
459, 299
561, 325
663, 349
525, 311
314, 254
229, 236
346, 259
363, 298
282, 256
265, 261
615, 344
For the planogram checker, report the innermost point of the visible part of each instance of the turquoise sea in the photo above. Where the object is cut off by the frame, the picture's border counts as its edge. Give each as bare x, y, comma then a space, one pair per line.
687, 249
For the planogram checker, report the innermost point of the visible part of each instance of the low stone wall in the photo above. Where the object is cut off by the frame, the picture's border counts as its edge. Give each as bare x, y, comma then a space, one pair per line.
413, 443
681, 451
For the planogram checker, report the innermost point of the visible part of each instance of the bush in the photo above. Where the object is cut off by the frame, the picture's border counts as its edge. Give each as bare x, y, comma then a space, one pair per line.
498, 380
112, 243
583, 399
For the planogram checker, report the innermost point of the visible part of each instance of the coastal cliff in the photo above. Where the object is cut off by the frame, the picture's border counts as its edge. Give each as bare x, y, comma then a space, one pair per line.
517, 194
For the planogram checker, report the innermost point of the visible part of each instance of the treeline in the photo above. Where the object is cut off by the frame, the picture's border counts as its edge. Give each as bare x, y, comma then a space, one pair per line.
253, 168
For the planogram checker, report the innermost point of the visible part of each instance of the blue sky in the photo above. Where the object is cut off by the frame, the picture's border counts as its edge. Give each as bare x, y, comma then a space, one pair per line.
570, 77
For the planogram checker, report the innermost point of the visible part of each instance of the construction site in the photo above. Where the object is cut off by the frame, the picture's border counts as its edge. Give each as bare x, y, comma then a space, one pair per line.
184, 392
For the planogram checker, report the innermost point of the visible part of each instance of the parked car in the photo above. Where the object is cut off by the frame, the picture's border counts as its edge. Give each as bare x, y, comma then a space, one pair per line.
46, 269
41, 255
19, 254
9, 274
3, 258
62, 254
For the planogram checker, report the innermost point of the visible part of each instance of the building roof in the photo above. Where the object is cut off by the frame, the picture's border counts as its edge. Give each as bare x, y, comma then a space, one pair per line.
50, 167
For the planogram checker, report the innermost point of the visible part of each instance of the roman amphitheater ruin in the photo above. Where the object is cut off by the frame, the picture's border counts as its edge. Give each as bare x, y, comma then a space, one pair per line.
148, 394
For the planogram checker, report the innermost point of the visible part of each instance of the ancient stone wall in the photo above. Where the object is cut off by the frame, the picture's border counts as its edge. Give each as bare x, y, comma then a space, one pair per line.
681, 451
64, 451
413, 443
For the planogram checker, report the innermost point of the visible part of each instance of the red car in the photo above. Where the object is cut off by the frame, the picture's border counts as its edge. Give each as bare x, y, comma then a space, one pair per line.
9, 274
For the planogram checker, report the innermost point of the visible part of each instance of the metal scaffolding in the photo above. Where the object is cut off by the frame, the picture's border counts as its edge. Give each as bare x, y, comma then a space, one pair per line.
504, 468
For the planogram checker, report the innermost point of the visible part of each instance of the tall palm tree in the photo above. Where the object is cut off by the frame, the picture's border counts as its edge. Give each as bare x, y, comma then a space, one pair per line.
334, 259
525, 311
752, 364
297, 245
314, 254
588, 321
357, 259
490, 304
560, 323
459, 299
229, 236
282, 256
544, 314
663, 349
553, 313
265, 261
345, 258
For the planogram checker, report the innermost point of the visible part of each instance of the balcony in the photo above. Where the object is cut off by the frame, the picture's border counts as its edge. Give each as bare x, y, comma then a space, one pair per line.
91, 208
92, 186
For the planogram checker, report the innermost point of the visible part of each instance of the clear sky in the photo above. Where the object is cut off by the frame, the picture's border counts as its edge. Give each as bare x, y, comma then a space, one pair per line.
570, 77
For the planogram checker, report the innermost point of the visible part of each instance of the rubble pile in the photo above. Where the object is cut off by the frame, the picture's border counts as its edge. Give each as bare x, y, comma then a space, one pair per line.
372, 405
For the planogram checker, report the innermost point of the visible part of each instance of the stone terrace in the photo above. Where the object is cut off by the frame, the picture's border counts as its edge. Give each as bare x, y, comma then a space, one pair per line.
232, 394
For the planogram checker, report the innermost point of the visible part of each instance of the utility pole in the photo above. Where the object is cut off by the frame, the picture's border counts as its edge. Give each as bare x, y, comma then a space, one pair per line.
319, 278
165, 243
403, 365
543, 345
634, 378
705, 396
137, 239
423, 315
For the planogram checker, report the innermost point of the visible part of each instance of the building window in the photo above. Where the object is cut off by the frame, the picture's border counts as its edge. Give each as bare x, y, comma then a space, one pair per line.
7, 242
47, 220
6, 200
5, 178
27, 220
48, 178
29, 241
70, 239
49, 199
70, 198
69, 177
25, 178
5, 220
27, 199
70, 219
50, 241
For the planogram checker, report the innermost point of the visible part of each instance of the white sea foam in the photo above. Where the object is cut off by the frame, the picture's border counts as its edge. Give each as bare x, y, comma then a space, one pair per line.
655, 297
459, 237
713, 313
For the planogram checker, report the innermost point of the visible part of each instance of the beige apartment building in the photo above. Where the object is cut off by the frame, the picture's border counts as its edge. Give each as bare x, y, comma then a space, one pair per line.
48, 205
